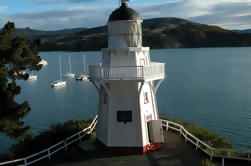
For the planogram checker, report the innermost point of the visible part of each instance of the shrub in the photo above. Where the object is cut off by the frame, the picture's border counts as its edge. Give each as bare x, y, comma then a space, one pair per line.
207, 162
45, 139
209, 137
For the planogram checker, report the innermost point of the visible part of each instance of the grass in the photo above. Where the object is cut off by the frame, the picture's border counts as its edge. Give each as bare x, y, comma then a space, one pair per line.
211, 138
59, 132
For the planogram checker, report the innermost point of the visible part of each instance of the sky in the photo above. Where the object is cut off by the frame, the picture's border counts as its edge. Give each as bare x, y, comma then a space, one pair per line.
64, 14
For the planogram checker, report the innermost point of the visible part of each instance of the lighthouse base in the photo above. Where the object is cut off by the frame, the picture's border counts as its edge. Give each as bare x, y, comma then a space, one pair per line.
131, 150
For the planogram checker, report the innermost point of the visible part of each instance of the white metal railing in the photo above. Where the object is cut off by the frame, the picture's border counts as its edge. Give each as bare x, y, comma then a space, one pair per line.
212, 152
139, 73
47, 153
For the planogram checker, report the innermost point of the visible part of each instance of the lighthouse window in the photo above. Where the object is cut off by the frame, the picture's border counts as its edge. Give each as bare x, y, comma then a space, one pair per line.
146, 98
124, 116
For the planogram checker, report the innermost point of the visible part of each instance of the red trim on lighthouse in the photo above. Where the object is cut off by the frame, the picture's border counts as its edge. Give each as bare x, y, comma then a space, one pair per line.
138, 150
156, 146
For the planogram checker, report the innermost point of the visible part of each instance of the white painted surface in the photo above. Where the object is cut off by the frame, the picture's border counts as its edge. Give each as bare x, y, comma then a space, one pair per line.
155, 71
147, 109
102, 126
127, 62
155, 131
124, 97
124, 34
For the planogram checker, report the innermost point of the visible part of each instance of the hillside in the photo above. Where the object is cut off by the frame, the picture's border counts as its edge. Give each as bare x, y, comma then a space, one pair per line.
243, 31
31, 33
157, 33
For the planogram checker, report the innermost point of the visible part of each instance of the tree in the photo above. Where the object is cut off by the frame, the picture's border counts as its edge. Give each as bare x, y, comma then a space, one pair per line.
16, 55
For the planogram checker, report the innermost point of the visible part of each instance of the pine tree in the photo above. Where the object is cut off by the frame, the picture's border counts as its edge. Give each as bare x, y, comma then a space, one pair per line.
16, 55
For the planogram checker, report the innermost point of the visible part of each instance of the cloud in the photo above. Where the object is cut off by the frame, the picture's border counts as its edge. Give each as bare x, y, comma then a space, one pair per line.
230, 14
70, 1
2, 8
71, 17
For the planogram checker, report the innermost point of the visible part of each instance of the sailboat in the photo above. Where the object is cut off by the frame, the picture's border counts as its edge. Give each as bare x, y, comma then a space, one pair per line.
71, 75
84, 76
32, 76
59, 83
43, 62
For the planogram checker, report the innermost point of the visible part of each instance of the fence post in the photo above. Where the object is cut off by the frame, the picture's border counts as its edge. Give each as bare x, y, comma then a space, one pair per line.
49, 154
79, 137
180, 130
212, 153
25, 161
249, 156
65, 145
228, 153
223, 162
197, 144
167, 125
186, 137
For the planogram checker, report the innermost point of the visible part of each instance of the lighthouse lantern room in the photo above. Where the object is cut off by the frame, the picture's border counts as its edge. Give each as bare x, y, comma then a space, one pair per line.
128, 119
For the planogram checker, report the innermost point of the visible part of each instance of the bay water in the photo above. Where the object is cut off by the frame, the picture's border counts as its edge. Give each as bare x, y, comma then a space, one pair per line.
208, 86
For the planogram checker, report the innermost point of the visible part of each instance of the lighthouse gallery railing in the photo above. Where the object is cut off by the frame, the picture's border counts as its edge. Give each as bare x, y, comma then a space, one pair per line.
154, 70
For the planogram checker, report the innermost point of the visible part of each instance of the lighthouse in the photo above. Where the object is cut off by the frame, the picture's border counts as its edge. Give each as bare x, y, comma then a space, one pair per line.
127, 82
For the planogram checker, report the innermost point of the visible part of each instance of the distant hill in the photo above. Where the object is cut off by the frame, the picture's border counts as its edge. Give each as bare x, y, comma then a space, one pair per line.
157, 33
243, 31
180, 33
31, 33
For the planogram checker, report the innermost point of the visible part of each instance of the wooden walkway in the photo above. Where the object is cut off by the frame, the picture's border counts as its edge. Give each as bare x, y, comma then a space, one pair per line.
174, 153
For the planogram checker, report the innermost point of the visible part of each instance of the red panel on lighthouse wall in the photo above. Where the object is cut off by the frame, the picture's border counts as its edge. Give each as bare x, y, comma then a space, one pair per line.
139, 150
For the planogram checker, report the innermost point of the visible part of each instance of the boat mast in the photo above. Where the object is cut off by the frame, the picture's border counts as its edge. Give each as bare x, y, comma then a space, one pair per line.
60, 67
69, 62
84, 63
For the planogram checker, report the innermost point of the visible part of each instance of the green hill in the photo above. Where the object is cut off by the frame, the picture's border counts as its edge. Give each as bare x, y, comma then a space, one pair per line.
157, 33
31, 33
242, 31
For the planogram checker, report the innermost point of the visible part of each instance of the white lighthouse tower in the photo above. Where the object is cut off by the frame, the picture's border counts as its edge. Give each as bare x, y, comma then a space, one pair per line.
128, 119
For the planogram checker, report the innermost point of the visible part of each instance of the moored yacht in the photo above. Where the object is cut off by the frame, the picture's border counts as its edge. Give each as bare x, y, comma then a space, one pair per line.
84, 76
43, 62
59, 83
70, 75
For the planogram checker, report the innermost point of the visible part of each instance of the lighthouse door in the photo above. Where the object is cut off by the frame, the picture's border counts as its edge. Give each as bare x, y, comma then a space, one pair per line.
155, 131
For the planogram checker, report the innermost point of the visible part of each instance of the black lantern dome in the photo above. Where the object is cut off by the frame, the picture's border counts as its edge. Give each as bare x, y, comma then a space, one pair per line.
124, 13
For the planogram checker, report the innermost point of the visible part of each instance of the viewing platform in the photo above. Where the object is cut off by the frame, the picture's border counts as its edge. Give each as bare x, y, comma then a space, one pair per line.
154, 71
174, 153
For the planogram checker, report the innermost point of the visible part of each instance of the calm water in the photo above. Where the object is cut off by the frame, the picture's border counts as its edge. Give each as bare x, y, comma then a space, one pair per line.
208, 86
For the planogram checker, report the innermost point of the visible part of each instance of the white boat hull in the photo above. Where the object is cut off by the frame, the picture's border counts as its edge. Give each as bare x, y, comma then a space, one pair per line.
43, 62
32, 77
58, 84
83, 78
69, 75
